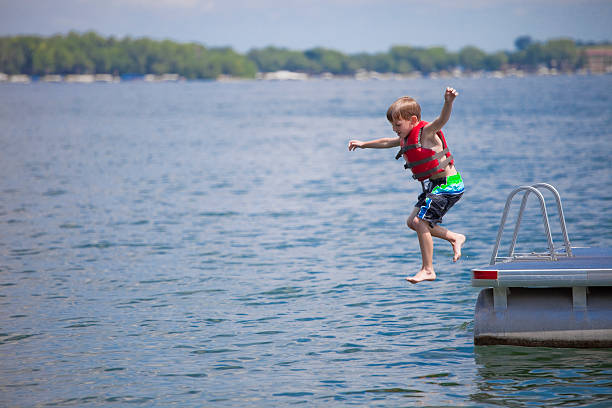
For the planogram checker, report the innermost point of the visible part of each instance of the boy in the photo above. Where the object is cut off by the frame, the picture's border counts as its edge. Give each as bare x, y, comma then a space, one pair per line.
424, 148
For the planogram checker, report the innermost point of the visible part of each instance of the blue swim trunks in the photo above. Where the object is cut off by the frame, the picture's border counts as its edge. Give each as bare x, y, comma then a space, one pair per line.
438, 196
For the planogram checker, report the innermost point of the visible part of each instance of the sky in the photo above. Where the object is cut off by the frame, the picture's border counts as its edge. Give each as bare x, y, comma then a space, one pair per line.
350, 26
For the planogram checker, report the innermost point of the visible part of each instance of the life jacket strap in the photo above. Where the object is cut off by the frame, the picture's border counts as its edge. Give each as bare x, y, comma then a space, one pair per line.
419, 162
429, 172
405, 148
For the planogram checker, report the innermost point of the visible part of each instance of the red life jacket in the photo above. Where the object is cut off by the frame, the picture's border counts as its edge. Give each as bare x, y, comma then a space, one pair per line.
423, 162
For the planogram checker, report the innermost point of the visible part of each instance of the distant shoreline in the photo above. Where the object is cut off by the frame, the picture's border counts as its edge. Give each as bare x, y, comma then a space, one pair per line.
283, 76
89, 57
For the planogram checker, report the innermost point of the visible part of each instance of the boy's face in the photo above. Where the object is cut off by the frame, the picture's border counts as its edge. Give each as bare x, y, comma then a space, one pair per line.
403, 126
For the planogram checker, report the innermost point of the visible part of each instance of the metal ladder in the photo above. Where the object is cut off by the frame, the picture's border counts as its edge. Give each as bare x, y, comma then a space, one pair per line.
552, 254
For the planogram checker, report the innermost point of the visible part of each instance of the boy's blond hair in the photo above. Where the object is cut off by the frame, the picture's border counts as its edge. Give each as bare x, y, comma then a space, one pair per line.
404, 108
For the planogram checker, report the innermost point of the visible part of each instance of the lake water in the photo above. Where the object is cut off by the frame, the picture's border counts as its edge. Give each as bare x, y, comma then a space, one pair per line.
216, 244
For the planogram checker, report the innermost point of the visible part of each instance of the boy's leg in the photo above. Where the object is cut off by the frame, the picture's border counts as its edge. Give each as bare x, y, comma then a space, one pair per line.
426, 244
455, 239
427, 272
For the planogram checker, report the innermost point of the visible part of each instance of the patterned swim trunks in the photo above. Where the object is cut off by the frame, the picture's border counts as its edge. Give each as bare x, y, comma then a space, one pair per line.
438, 197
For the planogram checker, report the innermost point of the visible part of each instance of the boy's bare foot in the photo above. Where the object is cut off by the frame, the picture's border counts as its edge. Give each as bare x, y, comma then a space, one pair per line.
457, 244
422, 275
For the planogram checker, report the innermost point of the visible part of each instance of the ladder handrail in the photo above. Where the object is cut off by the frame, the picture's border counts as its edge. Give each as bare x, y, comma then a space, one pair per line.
566, 241
528, 190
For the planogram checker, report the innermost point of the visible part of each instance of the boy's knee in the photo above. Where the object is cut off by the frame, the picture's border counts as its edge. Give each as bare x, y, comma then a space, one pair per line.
413, 222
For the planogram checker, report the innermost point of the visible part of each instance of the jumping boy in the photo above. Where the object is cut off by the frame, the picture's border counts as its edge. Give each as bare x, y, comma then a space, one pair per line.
424, 148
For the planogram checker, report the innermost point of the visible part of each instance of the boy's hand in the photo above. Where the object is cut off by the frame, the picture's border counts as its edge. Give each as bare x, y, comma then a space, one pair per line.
450, 94
354, 144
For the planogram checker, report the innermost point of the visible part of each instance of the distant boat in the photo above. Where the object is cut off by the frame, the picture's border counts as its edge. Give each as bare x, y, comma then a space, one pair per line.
162, 78
80, 79
19, 79
283, 76
52, 78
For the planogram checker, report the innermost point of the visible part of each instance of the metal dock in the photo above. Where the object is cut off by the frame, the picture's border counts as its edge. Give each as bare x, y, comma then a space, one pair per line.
559, 298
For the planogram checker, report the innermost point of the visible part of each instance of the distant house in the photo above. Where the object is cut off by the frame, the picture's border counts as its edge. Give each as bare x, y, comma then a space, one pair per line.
599, 60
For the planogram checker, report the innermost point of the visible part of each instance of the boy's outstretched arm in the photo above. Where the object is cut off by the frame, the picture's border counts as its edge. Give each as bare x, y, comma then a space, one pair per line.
449, 97
384, 143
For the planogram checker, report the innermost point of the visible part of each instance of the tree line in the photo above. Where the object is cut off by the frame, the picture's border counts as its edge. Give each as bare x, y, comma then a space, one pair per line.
90, 53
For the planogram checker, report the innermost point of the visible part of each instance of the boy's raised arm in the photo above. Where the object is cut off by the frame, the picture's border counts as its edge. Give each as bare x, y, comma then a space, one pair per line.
449, 97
